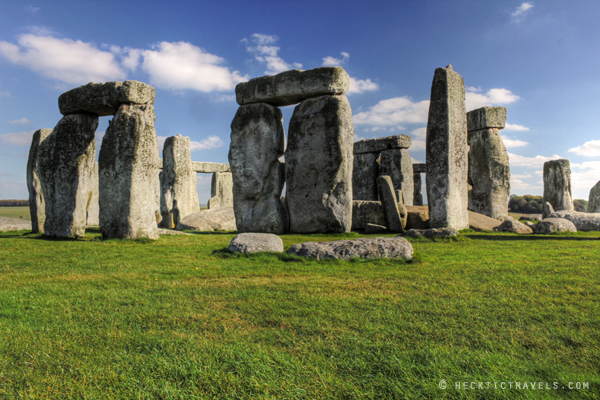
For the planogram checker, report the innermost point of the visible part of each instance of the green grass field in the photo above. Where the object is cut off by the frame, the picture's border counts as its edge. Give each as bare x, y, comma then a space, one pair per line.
15, 212
179, 318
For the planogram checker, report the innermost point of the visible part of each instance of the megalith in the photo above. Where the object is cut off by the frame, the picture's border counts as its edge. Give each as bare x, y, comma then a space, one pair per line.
67, 167
489, 169
397, 164
319, 162
257, 143
37, 206
178, 194
365, 171
390, 204
221, 190
128, 170
93, 206
418, 169
447, 152
557, 184
594, 201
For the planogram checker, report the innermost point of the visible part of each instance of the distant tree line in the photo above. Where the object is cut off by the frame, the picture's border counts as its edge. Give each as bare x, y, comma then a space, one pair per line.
534, 204
14, 203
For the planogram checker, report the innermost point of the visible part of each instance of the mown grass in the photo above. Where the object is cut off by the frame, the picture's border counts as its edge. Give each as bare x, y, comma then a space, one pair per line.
181, 318
15, 212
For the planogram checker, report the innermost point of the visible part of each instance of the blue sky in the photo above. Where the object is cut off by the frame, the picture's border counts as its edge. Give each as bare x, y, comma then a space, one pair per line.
540, 59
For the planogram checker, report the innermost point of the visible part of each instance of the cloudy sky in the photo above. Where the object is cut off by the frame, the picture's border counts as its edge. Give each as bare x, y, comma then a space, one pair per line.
537, 58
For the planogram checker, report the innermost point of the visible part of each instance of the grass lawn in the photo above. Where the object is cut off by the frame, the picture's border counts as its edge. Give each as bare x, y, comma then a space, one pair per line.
15, 212
181, 318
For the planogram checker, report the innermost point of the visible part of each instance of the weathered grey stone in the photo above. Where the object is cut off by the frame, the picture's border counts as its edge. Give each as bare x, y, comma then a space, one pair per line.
549, 225
380, 144
364, 176
530, 224
418, 189
210, 167
417, 217
531, 217
557, 184
480, 222
447, 152
397, 164
486, 118
221, 190
93, 206
256, 242
390, 204
257, 142
432, 233
319, 163
169, 232
37, 206
489, 173
105, 98
512, 225
582, 221
67, 167
420, 167
128, 168
372, 228
178, 193
217, 219
294, 86
378, 247
594, 201
547, 209
14, 224
365, 212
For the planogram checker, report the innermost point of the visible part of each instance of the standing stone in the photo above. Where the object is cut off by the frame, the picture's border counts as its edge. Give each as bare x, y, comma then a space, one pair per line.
319, 162
418, 189
547, 209
594, 201
378, 145
66, 165
557, 184
390, 204
489, 169
257, 142
93, 208
178, 194
37, 206
364, 176
221, 190
397, 164
447, 152
129, 166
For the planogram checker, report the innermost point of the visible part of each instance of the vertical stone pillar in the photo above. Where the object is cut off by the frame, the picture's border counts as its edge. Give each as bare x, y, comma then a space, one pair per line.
447, 152
319, 162
37, 206
66, 162
257, 142
418, 189
93, 208
397, 164
594, 200
129, 166
221, 190
178, 180
489, 169
365, 171
557, 184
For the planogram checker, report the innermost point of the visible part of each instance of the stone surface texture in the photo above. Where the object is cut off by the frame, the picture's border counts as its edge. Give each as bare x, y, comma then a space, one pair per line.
417, 217
557, 184
417, 189
512, 225
14, 224
255, 242
378, 145
67, 168
582, 221
550, 225
531, 217
257, 142
594, 200
447, 152
547, 209
367, 212
378, 247
319, 162
393, 219
294, 86
128, 169
37, 206
105, 98
432, 233
364, 176
217, 219
420, 167
480, 222
93, 206
486, 118
373, 228
210, 167
221, 190
397, 164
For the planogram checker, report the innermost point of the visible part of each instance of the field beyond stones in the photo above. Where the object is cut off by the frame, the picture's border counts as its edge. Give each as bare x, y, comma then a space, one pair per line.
181, 318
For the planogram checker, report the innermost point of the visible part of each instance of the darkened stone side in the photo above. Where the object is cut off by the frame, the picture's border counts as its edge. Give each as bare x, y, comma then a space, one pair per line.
557, 184
37, 206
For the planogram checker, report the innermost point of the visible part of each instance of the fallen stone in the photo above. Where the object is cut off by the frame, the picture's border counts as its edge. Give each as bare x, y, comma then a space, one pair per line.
257, 142
418, 189
37, 206
594, 200
319, 163
397, 164
221, 190
105, 98
294, 86
547, 209
210, 167
378, 247
530, 224
168, 232
391, 210
557, 184
486, 118
514, 226
433, 233
380, 144
531, 217
217, 219
256, 242
447, 152
480, 222
550, 225
373, 228
364, 176
417, 217
14, 224
367, 212
582, 221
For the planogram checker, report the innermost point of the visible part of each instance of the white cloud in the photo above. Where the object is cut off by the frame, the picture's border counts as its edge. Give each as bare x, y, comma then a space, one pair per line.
473, 89
357, 137
583, 177
514, 127
17, 139
493, 97
69, 61
415, 161
334, 62
509, 143
210, 143
516, 176
268, 54
588, 149
518, 184
20, 121
394, 111
420, 133
522, 10
32, 9
534, 162
5, 93
361, 86
418, 145
203, 186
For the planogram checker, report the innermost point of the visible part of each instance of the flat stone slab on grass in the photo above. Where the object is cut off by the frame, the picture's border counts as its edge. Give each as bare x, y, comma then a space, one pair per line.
374, 228
378, 247
169, 232
255, 242
582, 221
432, 233
550, 225
514, 226
217, 219
14, 224
380, 144
480, 222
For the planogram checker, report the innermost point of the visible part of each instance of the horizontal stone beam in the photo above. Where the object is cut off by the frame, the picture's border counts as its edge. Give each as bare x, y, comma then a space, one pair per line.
420, 167
486, 117
209, 167
380, 144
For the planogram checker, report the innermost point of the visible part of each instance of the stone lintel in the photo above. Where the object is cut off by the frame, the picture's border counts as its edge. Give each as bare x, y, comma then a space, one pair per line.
209, 167
486, 117
420, 168
381, 144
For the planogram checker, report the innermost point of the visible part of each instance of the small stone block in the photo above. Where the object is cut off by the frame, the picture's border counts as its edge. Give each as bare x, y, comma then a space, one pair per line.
486, 117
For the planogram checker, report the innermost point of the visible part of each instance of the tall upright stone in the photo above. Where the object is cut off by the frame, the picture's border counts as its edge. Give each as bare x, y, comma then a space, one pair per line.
364, 176
390, 204
557, 184
37, 206
67, 167
594, 201
257, 143
319, 162
178, 195
489, 168
397, 164
418, 189
93, 206
128, 167
447, 152
221, 190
